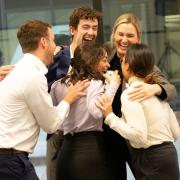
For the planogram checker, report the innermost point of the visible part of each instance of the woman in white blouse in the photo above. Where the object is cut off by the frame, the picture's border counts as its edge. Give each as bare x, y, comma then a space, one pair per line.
149, 125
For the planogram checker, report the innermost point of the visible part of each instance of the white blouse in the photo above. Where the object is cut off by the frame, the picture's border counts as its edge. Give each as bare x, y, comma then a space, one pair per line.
145, 123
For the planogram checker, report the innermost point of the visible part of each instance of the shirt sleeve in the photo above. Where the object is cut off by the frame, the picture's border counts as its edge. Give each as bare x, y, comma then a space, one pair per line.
133, 126
40, 104
168, 89
96, 90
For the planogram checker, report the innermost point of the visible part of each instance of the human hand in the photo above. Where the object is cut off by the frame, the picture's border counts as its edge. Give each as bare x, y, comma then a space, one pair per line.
143, 91
76, 91
58, 48
113, 76
5, 70
104, 104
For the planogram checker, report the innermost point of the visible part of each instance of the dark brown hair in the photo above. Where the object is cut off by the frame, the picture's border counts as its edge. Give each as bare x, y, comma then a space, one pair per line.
141, 61
85, 61
83, 12
30, 32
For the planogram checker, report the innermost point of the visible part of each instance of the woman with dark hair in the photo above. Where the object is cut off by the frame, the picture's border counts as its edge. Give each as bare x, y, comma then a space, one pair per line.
149, 125
82, 156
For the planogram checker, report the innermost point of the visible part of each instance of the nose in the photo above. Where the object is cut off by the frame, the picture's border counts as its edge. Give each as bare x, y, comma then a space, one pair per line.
124, 39
108, 65
91, 31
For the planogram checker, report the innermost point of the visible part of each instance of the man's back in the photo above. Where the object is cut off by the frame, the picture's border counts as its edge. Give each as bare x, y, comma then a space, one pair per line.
17, 125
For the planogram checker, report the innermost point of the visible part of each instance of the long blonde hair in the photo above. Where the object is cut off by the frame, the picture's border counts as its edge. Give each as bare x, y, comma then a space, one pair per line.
127, 18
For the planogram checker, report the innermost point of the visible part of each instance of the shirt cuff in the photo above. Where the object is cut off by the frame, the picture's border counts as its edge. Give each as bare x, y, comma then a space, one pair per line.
63, 110
109, 117
163, 94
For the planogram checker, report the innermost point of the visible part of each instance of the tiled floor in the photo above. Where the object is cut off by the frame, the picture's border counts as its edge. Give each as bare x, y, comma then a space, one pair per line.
40, 151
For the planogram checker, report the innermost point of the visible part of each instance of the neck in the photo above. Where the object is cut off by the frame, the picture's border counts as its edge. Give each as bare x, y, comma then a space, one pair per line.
119, 56
73, 47
134, 78
40, 56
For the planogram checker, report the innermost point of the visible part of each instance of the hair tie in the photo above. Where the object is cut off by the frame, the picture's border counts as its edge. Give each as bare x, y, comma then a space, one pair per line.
149, 79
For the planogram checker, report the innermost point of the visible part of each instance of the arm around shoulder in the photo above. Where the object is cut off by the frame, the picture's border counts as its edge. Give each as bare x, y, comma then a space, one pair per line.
168, 90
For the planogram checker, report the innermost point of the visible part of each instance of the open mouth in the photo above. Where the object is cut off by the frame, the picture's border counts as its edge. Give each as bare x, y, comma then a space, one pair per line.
88, 38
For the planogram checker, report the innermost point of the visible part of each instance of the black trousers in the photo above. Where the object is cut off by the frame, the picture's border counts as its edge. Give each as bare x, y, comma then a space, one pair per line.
117, 151
82, 157
16, 167
156, 162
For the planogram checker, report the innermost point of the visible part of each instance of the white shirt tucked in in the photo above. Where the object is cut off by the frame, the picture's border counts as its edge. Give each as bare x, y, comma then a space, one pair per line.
25, 106
145, 123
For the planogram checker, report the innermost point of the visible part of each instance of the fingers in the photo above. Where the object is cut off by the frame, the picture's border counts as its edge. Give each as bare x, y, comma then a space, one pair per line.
58, 48
82, 85
101, 102
77, 91
5, 70
99, 105
137, 97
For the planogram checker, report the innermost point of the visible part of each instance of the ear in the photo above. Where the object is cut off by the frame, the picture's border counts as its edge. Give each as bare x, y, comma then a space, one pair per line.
43, 42
71, 30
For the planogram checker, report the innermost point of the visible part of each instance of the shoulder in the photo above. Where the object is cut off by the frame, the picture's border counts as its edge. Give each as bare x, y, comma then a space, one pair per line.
62, 51
58, 85
96, 83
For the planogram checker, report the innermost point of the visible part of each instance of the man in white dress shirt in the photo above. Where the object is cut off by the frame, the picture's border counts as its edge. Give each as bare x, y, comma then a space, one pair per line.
25, 104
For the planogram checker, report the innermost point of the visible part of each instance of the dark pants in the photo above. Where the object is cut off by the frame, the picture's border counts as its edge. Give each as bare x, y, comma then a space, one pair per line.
16, 167
54, 144
156, 162
117, 152
82, 157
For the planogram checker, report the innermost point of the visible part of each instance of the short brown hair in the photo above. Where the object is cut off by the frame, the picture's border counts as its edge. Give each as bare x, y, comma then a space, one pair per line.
127, 18
83, 12
30, 33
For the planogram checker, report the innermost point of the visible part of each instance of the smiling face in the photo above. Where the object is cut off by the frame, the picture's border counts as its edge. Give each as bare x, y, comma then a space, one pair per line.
86, 30
125, 35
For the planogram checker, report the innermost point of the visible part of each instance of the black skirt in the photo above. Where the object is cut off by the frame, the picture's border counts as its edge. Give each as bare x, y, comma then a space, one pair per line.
82, 157
158, 162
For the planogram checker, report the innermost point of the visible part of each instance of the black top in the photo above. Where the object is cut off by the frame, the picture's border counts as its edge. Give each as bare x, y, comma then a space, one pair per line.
116, 105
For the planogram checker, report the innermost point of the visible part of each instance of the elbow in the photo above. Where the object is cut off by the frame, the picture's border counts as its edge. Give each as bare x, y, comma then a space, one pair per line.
51, 128
171, 94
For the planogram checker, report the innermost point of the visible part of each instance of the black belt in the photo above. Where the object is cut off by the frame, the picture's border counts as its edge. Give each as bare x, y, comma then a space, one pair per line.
84, 133
11, 151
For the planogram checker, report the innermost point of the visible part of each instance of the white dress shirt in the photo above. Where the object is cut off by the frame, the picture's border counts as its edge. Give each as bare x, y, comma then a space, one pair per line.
145, 123
25, 106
